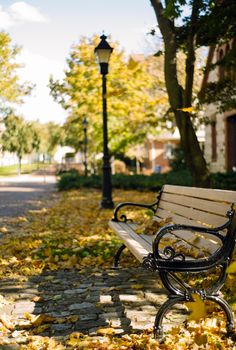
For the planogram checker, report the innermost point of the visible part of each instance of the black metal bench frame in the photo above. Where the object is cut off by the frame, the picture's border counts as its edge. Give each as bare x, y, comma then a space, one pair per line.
169, 262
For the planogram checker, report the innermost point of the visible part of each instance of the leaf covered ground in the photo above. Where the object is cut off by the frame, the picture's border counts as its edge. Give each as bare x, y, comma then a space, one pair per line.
73, 234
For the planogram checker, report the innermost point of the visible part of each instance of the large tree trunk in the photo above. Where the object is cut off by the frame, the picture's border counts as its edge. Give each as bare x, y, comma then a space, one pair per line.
178, 97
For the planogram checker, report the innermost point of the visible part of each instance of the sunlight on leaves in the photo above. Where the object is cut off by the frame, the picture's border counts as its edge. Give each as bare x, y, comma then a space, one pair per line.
197, 308
231, 269
186, 109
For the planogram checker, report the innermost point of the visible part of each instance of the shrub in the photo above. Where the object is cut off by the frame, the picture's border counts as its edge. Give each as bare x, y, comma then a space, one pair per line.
154, 182
225, 181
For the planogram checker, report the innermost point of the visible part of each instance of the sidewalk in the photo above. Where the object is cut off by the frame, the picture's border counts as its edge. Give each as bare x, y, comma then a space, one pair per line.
92, 300
125, 300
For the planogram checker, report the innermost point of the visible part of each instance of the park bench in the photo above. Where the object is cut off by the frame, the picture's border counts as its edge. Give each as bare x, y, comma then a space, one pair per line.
199, 239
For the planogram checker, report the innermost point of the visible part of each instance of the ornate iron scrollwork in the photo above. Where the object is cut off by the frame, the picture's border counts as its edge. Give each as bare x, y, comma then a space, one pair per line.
170, 254
149, 262
122, 217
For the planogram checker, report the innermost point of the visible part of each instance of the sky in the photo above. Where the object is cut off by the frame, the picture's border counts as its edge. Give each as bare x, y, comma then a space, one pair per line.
46, 30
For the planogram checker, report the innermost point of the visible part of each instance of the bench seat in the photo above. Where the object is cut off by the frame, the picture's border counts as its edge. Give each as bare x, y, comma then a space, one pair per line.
200, 237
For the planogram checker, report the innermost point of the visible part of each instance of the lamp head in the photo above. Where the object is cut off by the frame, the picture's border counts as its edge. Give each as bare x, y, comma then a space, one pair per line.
85, 123
103, 52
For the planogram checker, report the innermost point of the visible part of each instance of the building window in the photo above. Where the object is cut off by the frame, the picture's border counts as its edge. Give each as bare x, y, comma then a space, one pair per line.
213, 142
168, 151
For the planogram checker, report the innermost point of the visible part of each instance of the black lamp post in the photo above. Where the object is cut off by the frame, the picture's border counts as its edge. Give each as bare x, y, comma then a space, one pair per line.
103, 51
85, 124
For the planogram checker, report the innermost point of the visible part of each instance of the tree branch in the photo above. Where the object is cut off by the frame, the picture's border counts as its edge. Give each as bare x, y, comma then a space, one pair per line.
191, 57
167, 29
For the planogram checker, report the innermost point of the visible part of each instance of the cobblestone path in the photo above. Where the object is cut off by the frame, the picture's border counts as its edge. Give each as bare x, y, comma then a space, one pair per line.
125, 299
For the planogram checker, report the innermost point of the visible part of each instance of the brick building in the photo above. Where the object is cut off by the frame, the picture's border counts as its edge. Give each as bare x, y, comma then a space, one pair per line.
220, 144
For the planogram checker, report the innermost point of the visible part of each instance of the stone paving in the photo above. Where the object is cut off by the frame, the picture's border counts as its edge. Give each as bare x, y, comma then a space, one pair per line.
124, 299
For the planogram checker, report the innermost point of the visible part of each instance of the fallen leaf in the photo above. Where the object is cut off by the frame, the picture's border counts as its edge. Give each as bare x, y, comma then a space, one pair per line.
105, 331
137, 286
6, 322
36, 299
231, 269
3, 229
197, 308
41, 329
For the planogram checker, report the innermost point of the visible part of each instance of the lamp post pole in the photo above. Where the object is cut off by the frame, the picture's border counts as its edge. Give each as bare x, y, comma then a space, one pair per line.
85, 124
103, 51
107, 186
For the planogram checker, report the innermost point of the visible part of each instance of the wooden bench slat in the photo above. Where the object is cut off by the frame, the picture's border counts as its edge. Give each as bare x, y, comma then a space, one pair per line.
177, 219
201, 242
191, 213
180, 220
197, 203
134, 242
212, 194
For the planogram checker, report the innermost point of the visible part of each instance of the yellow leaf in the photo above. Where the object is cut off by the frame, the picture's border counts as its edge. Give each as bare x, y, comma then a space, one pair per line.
28, 316
231, 268
73, 318
197, 308
105, 331
6, 322
41, 329
36, 299
186, 109
22, 219
38, 320
137, 286
65, 257
3, 229
201, 339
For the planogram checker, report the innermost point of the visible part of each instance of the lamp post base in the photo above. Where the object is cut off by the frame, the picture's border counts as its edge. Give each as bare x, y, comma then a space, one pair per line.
107, 203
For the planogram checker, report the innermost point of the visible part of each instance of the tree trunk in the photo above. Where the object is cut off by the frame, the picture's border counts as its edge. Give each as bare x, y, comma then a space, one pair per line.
19, 166
179, 98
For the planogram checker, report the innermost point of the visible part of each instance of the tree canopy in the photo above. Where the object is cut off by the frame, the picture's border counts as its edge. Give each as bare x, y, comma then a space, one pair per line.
51, 135
19, 137
132, 103
11, 90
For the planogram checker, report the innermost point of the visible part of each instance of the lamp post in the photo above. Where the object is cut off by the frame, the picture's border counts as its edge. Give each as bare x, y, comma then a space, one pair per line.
103, 52
85, 124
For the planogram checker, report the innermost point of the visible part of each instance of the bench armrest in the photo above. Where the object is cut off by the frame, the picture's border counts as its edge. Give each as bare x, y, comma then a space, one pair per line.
169, 259
122, 217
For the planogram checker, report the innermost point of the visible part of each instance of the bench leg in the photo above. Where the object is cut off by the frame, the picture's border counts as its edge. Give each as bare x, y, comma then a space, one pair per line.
117, 256
230, 326
173, 299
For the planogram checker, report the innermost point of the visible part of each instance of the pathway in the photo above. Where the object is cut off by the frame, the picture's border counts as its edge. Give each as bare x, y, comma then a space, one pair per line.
124, 299
22, 193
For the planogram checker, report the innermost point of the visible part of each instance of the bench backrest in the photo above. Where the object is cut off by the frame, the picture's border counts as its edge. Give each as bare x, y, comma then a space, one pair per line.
197, 207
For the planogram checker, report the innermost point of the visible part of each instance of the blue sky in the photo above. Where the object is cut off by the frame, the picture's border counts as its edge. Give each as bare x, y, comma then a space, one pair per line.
46, 29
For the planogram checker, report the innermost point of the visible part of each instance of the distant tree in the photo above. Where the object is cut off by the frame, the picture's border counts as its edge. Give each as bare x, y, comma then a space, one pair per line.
50, 136
11, 90
186, 25
19, 137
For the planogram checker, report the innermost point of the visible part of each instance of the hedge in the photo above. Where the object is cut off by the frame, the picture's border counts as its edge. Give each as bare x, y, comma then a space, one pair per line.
72, 180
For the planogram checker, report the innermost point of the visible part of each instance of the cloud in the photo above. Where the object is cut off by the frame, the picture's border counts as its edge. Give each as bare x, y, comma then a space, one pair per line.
5, 19
40, 105
20, 12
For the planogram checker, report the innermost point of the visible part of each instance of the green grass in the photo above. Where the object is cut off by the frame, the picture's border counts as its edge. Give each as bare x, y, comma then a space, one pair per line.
12, 170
